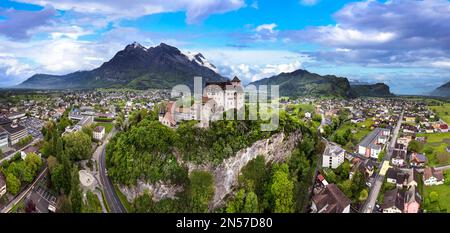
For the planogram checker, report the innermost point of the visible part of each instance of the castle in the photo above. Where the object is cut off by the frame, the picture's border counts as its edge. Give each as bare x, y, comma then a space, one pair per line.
217, 98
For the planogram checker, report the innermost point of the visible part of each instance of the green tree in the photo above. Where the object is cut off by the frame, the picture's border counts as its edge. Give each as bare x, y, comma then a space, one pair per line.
447, 177
331, 177
201, 190
251, 203
237, 204
144, 203
64, 204
434, 196
13, 183
414, 146
75, 192
363, 195
57, 178
78, 146
346, 187
281, 190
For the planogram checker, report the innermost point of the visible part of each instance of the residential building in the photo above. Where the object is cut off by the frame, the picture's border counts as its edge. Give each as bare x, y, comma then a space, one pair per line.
394, 201
431, 176
397, 177
3, 138
417, 159
2, 185
98, 133
330, 200
372, 144
15, 132
398, 158
333, 156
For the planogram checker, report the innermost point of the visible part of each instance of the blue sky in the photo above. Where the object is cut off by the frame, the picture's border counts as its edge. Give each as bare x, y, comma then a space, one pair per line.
404, 43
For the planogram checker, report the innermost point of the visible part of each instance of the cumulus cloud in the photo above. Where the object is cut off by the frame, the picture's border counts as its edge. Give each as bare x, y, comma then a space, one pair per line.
196, 10
252, 65
266, 27
396, 32
249, 73
18, 23
12, 69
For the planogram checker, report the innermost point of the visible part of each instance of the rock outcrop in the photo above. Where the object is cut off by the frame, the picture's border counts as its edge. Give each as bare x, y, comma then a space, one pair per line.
274, 149
159, 190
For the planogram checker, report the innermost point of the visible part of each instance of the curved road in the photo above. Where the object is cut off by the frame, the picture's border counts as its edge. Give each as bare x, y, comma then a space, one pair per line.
111, 197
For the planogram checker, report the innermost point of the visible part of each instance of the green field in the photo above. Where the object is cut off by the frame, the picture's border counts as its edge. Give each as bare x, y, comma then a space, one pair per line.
443, 203
442, 111
108, 126
435, 148
362, 129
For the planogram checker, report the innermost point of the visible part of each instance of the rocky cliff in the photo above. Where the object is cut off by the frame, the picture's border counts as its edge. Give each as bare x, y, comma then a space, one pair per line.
275, 149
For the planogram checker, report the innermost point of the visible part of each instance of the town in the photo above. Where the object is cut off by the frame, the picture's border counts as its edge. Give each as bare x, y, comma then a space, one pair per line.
381, 155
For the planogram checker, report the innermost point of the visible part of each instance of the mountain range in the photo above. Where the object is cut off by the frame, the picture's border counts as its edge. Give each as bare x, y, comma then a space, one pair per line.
165, 66
137, 67
302, 82
377, 89
443, 90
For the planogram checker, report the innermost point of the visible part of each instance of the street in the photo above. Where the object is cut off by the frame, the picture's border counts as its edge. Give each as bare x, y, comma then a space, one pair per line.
376, 187
110, 193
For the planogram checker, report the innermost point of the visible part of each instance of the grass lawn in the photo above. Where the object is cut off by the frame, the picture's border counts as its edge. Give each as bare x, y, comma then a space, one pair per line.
435, 148
362, 129
443, 203
108, 126
443, 112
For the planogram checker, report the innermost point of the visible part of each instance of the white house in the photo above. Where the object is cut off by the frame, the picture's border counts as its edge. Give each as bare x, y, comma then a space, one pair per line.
432, 177
333, 156
98, 133
398, 158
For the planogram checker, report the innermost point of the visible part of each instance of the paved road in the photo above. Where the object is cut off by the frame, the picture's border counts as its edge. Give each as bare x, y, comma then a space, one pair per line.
19, 197
111, 197
376, 187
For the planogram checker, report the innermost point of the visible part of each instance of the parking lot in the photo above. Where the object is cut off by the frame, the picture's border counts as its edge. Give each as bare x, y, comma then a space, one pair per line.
33, 126
41, 197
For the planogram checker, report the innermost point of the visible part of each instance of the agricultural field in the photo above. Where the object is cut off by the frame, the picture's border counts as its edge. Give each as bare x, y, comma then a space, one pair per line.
442, 111
435, 148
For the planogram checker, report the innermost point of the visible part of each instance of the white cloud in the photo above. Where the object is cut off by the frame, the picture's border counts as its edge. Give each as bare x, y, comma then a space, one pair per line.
268, 27
196, 10
441, 64
336, 35
252, 65
250, 73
